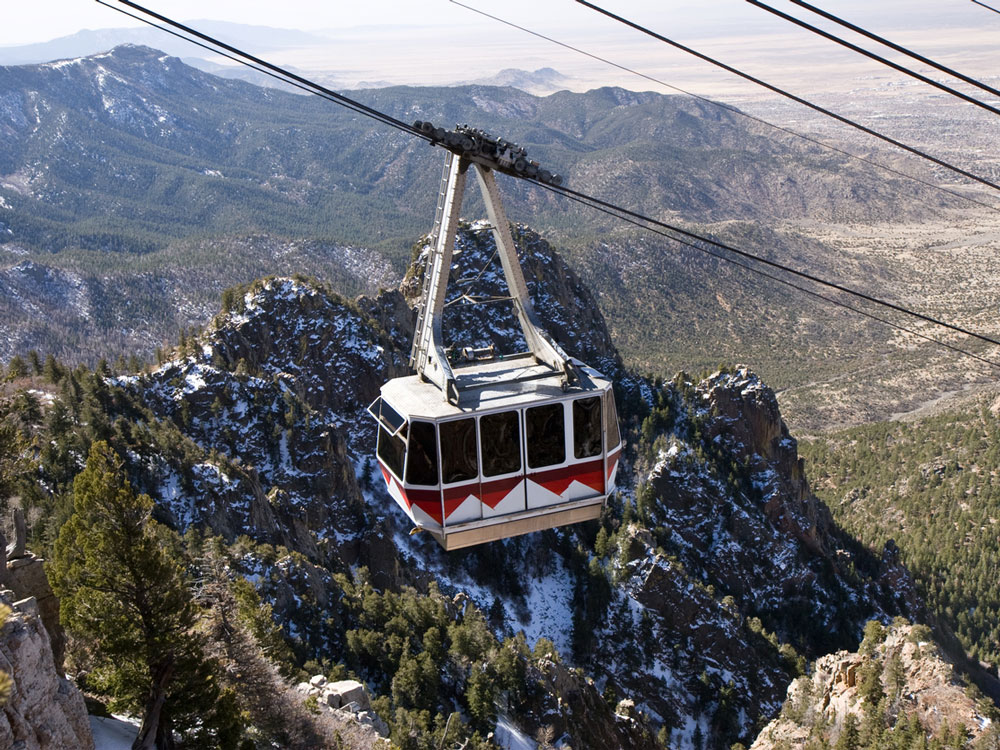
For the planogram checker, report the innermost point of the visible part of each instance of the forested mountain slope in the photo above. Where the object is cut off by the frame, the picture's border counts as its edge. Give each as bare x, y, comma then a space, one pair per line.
678, 619
125, 150
931, 486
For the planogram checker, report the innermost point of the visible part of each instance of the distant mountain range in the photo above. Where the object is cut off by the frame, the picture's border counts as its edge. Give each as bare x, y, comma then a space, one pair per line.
134, 170
130, 148
541, 81
92, 42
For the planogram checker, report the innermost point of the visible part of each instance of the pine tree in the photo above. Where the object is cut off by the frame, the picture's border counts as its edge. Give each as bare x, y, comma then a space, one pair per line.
870, 687
120, 590
850, 735
13, 449
16, 369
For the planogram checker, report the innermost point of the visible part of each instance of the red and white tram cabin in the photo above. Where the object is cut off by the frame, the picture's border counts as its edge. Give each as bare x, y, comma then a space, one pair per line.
517, 454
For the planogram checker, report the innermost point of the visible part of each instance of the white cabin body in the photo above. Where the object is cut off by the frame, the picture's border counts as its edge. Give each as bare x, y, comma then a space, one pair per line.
518, 452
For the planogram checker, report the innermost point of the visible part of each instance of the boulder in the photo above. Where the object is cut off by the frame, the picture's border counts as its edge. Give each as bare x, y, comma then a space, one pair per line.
25, 577
341, 694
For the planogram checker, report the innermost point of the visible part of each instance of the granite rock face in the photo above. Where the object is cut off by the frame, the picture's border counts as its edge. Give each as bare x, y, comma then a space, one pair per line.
348, 701
25, 577
916, 679
45, 710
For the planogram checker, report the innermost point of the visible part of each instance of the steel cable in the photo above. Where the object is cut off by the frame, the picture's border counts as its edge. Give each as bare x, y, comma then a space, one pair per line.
624, 214
734, 110
877, 58
898, 47
793, 97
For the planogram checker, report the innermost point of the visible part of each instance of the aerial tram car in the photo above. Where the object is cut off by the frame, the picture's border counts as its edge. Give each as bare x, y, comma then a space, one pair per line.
477, 447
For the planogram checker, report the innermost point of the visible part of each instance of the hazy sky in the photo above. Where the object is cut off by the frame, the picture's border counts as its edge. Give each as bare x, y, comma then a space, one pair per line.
41, 20
436, 42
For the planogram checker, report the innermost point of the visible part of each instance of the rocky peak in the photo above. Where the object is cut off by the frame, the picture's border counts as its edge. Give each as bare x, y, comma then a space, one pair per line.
728, 493
899, 679
744, 417
564, 304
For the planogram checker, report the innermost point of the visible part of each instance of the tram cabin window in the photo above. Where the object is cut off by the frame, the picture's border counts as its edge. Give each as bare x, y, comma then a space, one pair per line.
611, 420
392, 450
587, 427
545, 433
501, 442
421, 454
459, 456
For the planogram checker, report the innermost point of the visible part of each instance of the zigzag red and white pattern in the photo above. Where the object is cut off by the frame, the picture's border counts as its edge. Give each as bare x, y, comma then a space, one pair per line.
492, 494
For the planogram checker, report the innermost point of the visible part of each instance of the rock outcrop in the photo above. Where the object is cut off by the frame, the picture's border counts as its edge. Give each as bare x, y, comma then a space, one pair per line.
897, 683
23, 573
565, 306
45, 711
348, 700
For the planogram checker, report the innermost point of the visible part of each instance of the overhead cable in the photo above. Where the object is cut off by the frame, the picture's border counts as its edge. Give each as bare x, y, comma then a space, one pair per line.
877, 58
897, 47
731, 108
793, 97
247, 63
624, 213
786, 282
774, 264
988, 7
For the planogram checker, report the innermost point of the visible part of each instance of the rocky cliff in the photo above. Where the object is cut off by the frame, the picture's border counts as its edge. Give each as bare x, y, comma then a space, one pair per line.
898, 687
45, 710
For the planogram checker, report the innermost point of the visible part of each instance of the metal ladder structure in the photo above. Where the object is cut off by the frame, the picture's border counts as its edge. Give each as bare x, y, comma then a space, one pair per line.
428, 357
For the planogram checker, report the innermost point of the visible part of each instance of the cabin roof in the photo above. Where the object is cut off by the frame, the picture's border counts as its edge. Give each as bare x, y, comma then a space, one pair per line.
489, 386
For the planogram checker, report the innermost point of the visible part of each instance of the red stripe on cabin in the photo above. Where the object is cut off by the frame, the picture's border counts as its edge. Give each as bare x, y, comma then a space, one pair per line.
455, 496
429, 501
613, 462
495, 491
431, 508
558, 480
390, 480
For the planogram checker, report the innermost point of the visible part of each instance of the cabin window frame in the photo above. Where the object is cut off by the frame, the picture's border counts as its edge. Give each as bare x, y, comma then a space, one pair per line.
519, 432
529, 466
436, 462
442, 452
393, 439
597, 430
611, 421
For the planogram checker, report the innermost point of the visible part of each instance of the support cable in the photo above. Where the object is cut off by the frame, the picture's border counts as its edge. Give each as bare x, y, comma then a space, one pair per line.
793, 97
897, 47
774, 264
732, 109
239, 60
287, 74
872, 56
988, 7
778, 279
624, 214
